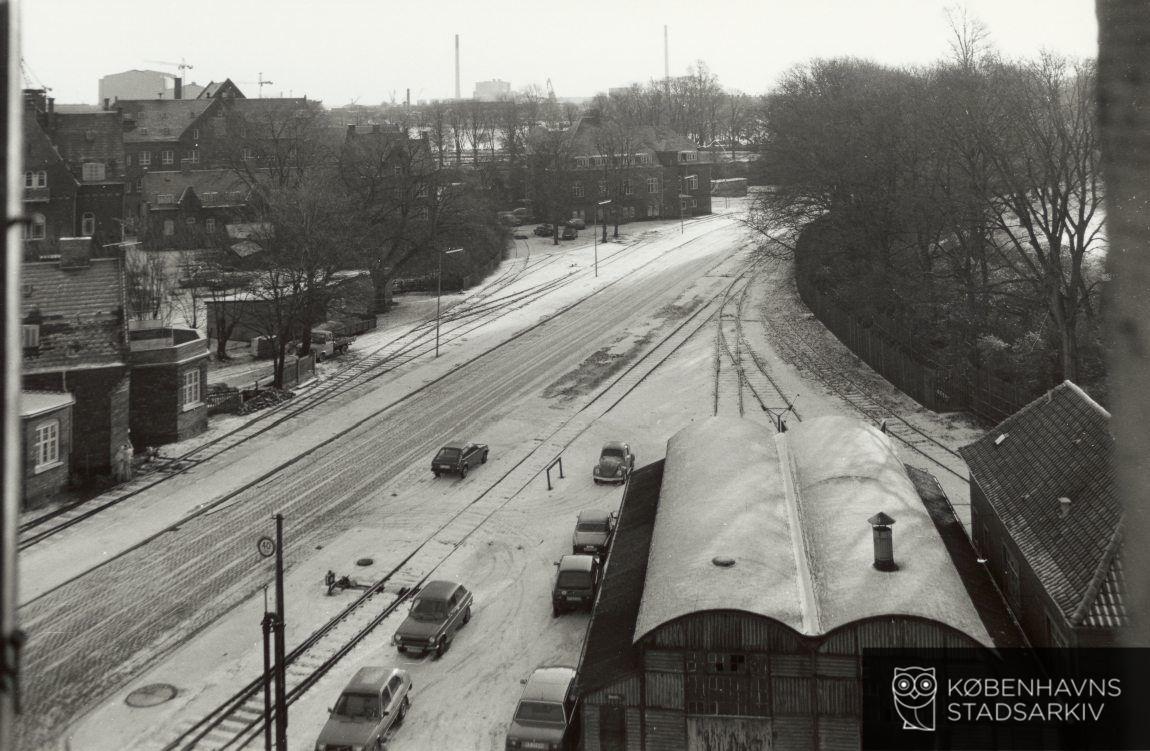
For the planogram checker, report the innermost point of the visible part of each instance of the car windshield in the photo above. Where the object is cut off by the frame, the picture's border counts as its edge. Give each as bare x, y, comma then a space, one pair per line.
357, 706
574, 580
612, 452
540, 711
428, 610
448, 454
592, 526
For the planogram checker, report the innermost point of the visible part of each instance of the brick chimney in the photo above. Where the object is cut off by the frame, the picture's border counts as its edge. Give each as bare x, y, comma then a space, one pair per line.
75, 252
179, 92
883, 542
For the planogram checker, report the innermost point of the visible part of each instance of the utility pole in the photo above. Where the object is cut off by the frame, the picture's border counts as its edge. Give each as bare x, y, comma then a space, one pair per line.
281, 667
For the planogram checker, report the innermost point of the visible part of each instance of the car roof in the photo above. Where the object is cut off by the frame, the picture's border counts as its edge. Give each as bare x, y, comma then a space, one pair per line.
438, 590
549, 684
576, 563
370, 680
594, 515
614, 445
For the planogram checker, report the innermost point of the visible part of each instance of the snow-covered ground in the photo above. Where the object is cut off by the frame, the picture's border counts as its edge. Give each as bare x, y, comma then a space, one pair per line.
465, 699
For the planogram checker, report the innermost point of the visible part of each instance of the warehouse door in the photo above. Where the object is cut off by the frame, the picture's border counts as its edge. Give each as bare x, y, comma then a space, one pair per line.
718, 733
613, 728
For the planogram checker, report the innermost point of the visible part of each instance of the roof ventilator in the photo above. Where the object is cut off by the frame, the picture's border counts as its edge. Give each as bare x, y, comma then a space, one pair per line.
1064, 507
883, 542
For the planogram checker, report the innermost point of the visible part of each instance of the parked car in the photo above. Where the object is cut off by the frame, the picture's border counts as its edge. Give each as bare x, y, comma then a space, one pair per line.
594, 531
576, 222
519, 234
327, 344
615, 463
568, 233
576, 583
375, 701
545, 715
544, 230
459, 457
438, 611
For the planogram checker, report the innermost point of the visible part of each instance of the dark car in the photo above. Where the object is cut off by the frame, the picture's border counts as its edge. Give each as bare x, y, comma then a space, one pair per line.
568, 233
459, 457
519, 234
544, 230
545, 715
615, 463
593, 533
575, 584
439, 610
375, 701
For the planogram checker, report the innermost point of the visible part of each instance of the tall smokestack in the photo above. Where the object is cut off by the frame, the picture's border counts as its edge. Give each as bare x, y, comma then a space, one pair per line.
456, 66
666, 57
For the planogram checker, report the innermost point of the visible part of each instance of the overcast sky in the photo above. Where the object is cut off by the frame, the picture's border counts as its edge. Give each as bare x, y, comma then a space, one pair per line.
372, 50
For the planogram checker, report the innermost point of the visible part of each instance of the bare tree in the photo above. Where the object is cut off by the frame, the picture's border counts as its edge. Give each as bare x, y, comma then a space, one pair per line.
551, 171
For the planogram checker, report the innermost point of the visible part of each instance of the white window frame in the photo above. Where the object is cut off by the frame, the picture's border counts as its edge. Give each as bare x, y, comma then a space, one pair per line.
692, 182
94, 171
194, 156
145, 158
47, 445
190, 390
37, 227
31, 335
652, 185
577, 190
210, 224
167, 156
602, 187
169, 227
628, 189
36, 179
87, 224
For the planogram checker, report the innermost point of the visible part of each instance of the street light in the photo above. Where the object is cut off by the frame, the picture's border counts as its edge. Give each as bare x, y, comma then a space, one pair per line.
439, 293
595, 234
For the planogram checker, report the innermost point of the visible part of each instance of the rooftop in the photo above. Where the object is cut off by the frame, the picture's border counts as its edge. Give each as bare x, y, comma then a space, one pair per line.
1059, 446
438, 590
33, 403
161, 119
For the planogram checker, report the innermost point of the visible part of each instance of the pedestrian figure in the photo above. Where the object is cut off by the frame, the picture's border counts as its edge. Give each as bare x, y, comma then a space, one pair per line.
123, 463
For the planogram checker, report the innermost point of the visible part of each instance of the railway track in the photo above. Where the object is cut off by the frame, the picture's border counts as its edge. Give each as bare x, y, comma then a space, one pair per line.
240, 720
456, 322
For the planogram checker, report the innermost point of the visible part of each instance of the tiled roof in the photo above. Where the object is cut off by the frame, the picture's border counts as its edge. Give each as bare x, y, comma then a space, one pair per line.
90, 137
80, 313
1058, 446
161, 119
213, 187
608, 652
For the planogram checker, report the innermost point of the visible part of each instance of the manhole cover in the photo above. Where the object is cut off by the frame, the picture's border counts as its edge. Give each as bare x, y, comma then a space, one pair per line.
150, 696
365, 561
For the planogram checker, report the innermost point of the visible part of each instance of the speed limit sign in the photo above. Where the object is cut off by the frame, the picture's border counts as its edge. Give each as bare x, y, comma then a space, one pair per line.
266, 546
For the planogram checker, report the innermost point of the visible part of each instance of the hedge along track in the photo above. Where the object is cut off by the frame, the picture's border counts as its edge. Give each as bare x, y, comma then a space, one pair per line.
240, 720
736, 359
459, 320
854, 392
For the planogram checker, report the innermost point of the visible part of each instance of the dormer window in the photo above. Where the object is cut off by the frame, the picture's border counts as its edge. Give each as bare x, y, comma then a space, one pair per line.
94, 171
31, 335
36, 179
88, 224
165, 198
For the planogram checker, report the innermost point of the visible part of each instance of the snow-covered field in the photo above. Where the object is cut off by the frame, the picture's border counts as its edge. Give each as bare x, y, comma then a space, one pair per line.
465, 699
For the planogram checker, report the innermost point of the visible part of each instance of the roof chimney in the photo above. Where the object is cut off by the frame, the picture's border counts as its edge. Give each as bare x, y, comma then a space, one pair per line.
75, 252
179, 92
883, 542
106, 103
1064, 507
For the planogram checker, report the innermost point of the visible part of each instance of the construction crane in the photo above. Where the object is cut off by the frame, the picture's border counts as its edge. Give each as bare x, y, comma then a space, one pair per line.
182, 65
261, 83
30, 77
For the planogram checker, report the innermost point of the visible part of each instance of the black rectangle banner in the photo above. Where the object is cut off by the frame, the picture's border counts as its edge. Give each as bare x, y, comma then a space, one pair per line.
975, 699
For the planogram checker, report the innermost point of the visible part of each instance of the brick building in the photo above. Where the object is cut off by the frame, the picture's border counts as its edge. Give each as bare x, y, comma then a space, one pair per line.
46, 423
191, 208
169, 379
1047, 519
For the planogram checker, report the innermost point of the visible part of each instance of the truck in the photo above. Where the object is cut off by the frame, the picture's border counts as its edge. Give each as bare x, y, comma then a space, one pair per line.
326, 344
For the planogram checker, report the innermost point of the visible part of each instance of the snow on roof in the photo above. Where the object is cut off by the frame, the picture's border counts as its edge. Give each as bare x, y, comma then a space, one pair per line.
791, 510
33, 403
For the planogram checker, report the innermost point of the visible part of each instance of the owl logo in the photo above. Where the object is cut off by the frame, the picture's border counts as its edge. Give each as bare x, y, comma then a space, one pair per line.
914, 692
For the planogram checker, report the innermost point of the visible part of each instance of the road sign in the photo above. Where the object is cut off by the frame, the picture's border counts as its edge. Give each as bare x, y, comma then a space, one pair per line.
266, 546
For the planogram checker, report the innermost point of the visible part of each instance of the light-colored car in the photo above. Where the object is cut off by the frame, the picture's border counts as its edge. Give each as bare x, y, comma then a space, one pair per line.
594, 531
438, 611
375, 701
545, 715
615, 463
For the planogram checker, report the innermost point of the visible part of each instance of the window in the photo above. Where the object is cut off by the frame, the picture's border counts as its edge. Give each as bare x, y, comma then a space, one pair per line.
35, 229
726, 663
627, 189
602, 187
166, 131
36, 179
88, 224
167, 156
577, 190
640, 159
688, 156
194, 156
191, 389
580, 161
145, 158
210, 196
190, 221
128, 160
165, 198
210, 225
652, 210
397, 171
31, 335
691, 182
652, 185
169, 228
47, 445
195, 134
140, 185
248, 153
143, 131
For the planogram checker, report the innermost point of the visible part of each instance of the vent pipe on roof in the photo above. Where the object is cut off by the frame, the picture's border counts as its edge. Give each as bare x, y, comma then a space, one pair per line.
1064, 510
883, 542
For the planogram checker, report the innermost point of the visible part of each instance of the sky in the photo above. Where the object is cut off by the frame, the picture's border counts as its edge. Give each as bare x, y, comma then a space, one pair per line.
372, 51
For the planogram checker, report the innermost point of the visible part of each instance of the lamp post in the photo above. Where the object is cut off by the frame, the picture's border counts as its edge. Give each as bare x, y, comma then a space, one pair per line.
439, 293
595, 234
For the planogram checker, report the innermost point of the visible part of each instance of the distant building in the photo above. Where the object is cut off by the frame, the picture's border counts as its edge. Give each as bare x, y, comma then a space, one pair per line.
492, 91
138, 84
1047, 520
743, 585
